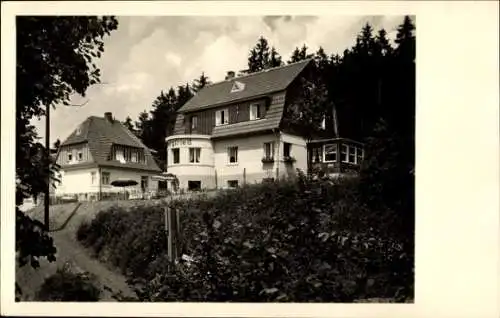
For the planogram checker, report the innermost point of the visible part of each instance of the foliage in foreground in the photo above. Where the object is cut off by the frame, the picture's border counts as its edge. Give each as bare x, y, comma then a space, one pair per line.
55, 59
289, 241
65, 285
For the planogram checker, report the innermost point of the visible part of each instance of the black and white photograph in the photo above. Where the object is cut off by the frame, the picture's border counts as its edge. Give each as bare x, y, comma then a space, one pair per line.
215, 158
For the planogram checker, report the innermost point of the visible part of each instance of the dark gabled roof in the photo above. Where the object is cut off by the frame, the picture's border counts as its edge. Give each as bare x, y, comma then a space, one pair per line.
256, 84
101, 134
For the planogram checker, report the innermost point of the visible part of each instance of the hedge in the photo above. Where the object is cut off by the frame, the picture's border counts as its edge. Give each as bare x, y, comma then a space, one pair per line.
301, 241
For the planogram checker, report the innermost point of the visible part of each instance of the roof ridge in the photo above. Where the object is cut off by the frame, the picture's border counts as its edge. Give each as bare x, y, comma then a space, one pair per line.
305, 61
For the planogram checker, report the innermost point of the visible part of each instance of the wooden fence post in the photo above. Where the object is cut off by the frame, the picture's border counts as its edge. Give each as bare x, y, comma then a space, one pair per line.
244, 176
172, 227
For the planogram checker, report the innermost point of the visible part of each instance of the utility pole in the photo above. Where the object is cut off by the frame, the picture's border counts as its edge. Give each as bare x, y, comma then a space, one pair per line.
47, 148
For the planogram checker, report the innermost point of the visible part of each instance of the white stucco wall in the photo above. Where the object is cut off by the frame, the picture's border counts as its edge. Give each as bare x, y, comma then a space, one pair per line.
298, 151
80, 181
185, 170
77, 181
214, 168
249, 165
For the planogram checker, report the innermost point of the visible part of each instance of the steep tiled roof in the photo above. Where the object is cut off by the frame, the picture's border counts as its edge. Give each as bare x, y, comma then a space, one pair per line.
256, 84
101, 134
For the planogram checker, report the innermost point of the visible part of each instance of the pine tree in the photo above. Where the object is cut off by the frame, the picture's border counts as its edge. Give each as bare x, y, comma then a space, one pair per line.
274, 59
262, 57
300, 54
200, 82
128, 123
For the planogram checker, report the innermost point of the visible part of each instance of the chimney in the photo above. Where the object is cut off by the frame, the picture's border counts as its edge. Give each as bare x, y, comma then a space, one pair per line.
230, 75
108, 116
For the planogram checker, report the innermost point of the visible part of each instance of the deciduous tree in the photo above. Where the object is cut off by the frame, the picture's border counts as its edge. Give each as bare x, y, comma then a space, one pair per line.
55, 59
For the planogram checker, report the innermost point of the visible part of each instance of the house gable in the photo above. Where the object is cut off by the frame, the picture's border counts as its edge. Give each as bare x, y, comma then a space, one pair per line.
100, 135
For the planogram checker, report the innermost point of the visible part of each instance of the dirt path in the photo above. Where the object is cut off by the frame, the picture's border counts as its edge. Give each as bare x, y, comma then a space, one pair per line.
70, 252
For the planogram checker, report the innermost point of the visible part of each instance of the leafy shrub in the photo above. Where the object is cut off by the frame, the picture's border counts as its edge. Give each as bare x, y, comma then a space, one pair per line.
302, 241
67, 286
129, 240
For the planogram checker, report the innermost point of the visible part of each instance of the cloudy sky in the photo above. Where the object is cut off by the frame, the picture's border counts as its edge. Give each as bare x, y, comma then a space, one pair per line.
149, 54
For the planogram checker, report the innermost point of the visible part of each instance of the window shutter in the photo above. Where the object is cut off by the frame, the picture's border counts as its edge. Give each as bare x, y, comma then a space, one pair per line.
217, 118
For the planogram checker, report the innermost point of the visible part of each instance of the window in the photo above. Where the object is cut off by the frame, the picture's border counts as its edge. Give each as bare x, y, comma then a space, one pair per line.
80, 156
343, 153
360, 155
237, 87
194, 122
175, 155
232, 153
144, 183
119, 155
317, 154
133, 156
232, 183
70, 157
269, 150
255, 111
352, 154
194, 185
194, 154
331, 152
78, 131
287, 147
323, 123
105, 176
221, 117
92, 177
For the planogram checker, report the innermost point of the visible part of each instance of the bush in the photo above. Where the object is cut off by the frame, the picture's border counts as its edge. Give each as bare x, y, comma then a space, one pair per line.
302, 241
129, 240
67, 286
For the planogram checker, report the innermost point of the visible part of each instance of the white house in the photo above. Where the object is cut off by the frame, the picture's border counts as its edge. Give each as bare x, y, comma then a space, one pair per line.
99, 151
233, 132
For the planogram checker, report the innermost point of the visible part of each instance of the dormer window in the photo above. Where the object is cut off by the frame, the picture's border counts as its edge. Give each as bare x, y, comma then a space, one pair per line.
119, 155
194, 122
237, 87
78, 130
255, 111
221, 117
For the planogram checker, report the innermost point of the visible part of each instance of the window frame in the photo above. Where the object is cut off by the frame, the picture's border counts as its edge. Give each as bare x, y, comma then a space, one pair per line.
223, 120
93, 178
193, 152
174, 151
335, 146
235, 149
258, 114
194, 122
271, 150
103, 175
285, 145
70, 156
346, 153
352, 153
122, 152
134, 154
